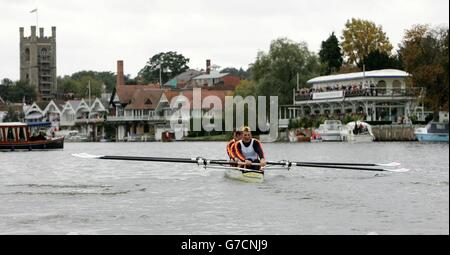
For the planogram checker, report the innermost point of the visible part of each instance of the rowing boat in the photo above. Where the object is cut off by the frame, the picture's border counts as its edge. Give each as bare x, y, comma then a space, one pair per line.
255, 176
237, 173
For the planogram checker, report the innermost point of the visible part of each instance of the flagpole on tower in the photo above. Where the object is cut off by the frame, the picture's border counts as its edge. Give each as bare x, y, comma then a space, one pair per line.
36, 11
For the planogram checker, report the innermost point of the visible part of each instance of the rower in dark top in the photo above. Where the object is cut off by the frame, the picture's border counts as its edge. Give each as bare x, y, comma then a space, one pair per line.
249, 150
237, 136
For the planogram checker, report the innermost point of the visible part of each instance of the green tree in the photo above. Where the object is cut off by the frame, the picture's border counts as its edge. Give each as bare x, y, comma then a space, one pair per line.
108, 78
236, 72
360, 37
171, 65
7, 82
79, 85
424, 52
11, 115
275, 72
330, 55
381, 60
18, 91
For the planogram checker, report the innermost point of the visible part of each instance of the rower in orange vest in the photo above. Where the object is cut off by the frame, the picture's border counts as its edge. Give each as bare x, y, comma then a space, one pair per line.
237, 136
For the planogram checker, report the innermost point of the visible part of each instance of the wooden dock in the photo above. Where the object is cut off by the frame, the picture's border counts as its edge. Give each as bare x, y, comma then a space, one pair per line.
394, 132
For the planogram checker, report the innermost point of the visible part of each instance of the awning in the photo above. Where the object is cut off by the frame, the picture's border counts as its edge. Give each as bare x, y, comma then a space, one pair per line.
39, 124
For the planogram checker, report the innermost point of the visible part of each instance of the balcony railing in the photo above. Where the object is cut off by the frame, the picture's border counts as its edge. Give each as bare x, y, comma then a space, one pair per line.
376, 92
137, 118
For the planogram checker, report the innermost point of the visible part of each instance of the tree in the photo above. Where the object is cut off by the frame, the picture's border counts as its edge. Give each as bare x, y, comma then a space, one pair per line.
7, 82
424, 53
360, 37
246, 88
17, 91
241, 73
78, 84
108, 78
11, 115
330, 55
171, 65
275, 72
380, 60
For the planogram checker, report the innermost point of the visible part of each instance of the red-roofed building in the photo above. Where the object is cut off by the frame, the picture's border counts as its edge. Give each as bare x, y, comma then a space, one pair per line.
141, 112
136, 110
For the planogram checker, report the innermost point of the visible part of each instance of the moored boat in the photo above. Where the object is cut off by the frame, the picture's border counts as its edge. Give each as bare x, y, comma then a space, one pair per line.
332, 131
20, 136
433, 132
359, 131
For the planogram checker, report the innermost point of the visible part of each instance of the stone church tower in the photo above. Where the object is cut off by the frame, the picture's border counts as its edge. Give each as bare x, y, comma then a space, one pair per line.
38, 62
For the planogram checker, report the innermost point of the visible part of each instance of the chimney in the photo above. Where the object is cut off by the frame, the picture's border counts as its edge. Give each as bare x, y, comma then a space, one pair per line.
208, 66
120, 79
41, 32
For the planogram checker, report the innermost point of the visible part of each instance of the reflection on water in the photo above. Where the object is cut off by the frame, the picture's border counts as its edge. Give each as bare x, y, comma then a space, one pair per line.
51, 192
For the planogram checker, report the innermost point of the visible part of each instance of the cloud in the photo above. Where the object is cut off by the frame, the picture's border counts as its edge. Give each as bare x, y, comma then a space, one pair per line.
92, 35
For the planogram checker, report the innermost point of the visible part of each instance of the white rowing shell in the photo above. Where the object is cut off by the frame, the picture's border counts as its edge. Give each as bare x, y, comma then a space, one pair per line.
244, 176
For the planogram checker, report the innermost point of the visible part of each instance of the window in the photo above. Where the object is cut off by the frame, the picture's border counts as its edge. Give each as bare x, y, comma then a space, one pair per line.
1, 135
397, 86
381, 87
43, 52
27, 54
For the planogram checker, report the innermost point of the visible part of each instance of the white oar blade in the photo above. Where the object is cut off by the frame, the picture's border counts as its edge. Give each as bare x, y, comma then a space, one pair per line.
85, 155
400, 170
392, 164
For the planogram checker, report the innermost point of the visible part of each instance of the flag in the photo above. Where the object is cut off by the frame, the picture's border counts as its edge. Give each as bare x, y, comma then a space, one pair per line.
34, 10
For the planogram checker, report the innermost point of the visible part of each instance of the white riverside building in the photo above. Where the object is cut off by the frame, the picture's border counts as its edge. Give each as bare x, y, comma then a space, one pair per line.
381, 95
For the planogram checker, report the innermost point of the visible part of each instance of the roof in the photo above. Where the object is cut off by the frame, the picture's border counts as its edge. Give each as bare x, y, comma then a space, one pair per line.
384, 73
126, 92
145, 98
184, 76
212, 75
221, 94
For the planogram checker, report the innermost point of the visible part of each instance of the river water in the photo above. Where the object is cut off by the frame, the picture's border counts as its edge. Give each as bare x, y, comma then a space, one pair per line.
52, 192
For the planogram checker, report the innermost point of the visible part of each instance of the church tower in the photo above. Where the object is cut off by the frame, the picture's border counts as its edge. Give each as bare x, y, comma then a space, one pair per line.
38, 62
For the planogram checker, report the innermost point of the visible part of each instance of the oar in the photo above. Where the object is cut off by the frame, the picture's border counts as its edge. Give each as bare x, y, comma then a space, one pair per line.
331, 165
392, 164
133, 158
202, 161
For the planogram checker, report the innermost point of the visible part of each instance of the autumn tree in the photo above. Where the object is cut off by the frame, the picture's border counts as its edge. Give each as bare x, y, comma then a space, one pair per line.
330, 55
360, 37
424, 52
245, 88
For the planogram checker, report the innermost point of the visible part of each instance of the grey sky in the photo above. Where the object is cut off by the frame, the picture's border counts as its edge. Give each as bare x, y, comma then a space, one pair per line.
93, 34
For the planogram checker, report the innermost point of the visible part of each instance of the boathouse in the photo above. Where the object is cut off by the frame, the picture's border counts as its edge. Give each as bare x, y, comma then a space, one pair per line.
379, 95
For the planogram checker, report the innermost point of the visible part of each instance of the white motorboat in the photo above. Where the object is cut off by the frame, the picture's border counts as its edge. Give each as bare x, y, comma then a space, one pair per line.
359, 131
332, 130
